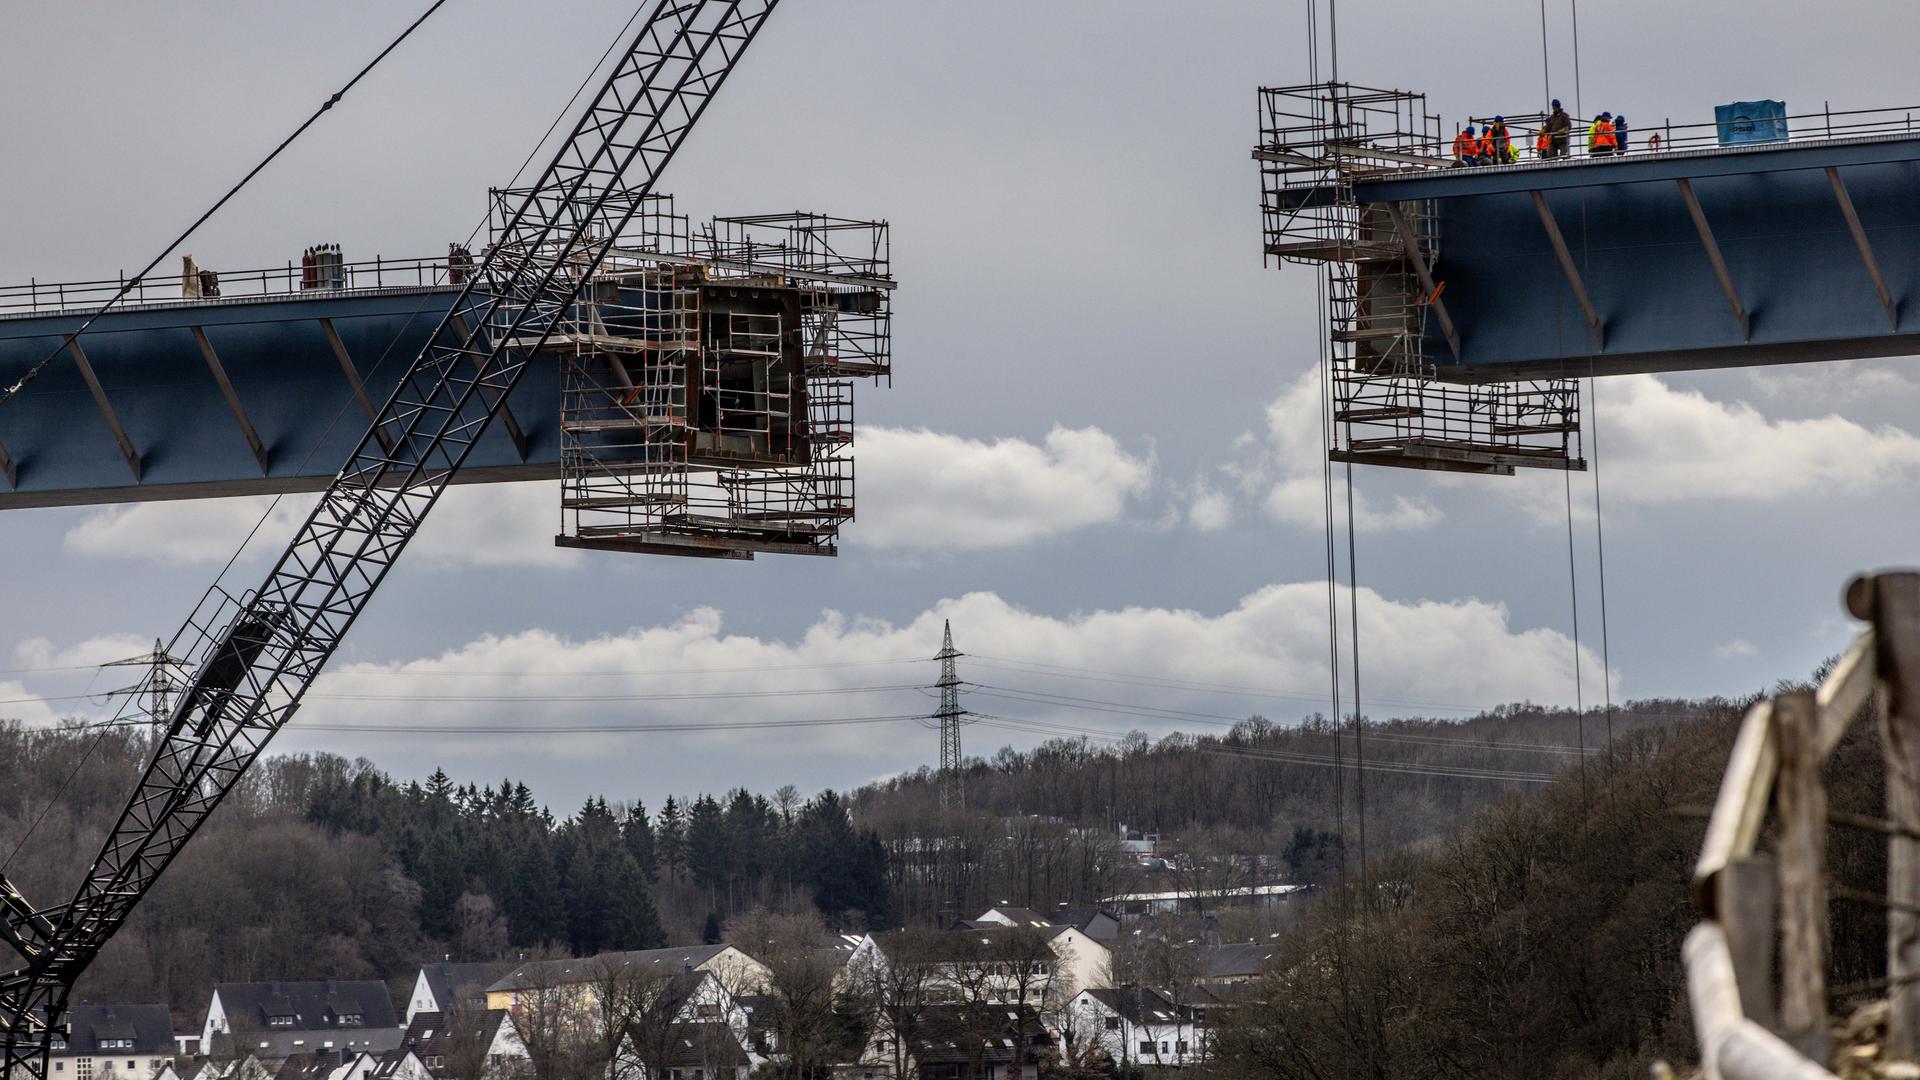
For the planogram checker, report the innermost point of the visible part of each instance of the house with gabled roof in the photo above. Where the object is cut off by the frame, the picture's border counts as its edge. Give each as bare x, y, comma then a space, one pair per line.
276, 1020
1141, 1026
739, 972
125, 1042
446, 1044
447, 987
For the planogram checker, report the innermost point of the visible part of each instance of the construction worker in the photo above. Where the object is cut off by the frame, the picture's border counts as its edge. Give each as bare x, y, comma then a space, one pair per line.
1498, 145
1466, 148
1600, 139
1653, 142
1620, 134
1559, 129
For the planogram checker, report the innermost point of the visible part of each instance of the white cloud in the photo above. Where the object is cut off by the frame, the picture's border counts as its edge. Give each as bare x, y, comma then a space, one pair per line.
1831, 383
928, 490
1211, 509
1663, 445
920, 490
19, 703
473, 525
1448, 656
1283, 474
39, 652
1735, 649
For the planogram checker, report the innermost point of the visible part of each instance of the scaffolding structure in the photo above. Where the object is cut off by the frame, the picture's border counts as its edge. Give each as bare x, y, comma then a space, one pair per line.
707, 377
1389, 405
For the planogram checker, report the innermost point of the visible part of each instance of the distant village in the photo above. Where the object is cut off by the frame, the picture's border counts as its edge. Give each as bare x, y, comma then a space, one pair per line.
1135, 985
998, 997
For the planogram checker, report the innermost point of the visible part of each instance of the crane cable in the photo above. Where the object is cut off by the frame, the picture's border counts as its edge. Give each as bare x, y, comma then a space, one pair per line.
140, 278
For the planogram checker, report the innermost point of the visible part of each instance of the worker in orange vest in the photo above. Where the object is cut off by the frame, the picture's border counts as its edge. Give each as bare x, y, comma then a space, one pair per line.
1600, 137
1466, 148
1543, 144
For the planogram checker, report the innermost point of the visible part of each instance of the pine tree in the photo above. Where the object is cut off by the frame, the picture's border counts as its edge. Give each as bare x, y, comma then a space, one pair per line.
707, 844
711, 934
670, 840
637, 831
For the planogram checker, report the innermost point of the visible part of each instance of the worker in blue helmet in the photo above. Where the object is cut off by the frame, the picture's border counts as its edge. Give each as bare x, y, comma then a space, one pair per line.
1620, 134
1559, 129
1466, 148
1497, 146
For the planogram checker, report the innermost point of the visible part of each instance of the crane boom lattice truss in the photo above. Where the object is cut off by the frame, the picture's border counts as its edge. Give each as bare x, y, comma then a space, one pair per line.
255, 655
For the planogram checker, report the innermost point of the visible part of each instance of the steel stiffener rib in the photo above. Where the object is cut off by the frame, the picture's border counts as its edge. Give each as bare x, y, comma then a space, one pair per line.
233, 399
1568, 268
1865, 247
256, 655
99, 393
1719, 262
1410, 242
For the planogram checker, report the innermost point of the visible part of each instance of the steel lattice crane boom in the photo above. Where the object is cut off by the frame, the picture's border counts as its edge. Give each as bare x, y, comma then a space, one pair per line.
257, 655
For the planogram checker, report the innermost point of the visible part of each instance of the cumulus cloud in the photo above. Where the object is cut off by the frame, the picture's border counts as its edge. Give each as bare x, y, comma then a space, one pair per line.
43, 653
930, 490
1734, 650
1448, 656
19, 703
1658, 445
1664, 445
1281, 472
921, 490
1211, 509
473, 525
662, 707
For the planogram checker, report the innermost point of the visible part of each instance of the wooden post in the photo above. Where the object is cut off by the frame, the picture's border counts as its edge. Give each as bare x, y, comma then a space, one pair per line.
1892, 602
1801, 802
1748, 906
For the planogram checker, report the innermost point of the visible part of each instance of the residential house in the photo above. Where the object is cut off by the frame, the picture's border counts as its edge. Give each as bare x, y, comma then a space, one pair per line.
969, 1042
1227, 965
1137, 1026
985, 960
443, 988
445, 1043
1097, 923
696, 1028
275, 1020
124, 1042
736, 970
401, 1064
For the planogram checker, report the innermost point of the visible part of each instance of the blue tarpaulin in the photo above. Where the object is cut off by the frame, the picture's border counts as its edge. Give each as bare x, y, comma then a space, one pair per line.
1751, 122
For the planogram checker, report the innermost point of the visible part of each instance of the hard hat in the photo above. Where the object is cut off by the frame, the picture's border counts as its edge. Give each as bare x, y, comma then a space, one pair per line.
1556, 103
1469, 129
1499, 119
1606, 116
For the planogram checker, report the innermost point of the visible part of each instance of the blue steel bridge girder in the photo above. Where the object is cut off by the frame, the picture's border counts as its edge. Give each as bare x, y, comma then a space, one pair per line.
236, 396
1676, 261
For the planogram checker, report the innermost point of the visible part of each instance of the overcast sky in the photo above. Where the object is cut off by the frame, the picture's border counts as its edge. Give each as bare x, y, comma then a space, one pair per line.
1098, 453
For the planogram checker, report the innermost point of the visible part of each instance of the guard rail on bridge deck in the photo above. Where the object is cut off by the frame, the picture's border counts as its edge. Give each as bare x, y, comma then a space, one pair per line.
291, 280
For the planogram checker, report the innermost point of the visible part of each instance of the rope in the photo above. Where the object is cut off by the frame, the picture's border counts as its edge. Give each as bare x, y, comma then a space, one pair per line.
1578, 109
1573, 590
1359, 718
131, 283
1546, 73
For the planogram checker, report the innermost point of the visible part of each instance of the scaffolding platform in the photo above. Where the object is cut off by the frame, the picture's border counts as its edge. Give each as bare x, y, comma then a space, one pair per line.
1383, 309
706, 397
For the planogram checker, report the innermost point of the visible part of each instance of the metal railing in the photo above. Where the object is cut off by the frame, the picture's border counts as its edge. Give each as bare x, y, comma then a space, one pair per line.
288, 280
1827, 125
